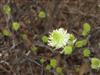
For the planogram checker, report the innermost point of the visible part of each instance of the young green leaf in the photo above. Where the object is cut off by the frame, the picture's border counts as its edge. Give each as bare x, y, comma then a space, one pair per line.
81, 43
72, 37
42, 60
6, 32
45, 39
86, 52
95, 63
42, 14
24, 36
7, 9
86, 29
53, 63
68, 50
16, 26
59, 70
48, 67
34, 48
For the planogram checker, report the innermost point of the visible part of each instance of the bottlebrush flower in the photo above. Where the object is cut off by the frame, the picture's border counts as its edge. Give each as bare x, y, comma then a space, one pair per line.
58, 38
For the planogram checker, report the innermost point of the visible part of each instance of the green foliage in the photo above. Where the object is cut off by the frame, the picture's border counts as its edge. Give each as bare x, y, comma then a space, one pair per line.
6, 32
24, 36
42, 14
72, 37
95, 63
34, 48
68, 50
45, 39
16, 26
7, 9
59, 70
81, 43
86, 52
53, 63
86, 29
48, 67
42, 60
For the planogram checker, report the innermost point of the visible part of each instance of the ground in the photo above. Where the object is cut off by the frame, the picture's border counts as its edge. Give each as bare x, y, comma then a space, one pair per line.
16, 56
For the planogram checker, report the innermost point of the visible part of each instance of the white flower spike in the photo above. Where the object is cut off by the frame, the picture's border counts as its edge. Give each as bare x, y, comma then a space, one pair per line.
58, 38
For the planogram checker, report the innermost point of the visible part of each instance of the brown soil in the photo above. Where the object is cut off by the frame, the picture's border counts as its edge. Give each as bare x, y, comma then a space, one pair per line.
16, 58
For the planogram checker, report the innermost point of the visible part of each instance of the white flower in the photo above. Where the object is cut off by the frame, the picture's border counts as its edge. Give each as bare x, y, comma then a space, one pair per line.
58, 38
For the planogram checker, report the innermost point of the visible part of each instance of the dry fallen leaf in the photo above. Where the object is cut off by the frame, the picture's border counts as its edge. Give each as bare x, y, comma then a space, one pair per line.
84, 68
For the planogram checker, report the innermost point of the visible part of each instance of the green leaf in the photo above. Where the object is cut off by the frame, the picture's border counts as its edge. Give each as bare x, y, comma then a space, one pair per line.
42, 60
59, 70
72, 37
95, 63
7, 9
45, 39
16, 26
68, 50
42, 14
53, 63
81, 43
6, 32
86, 52
24, 36
48, 67
86, 29
34, 48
